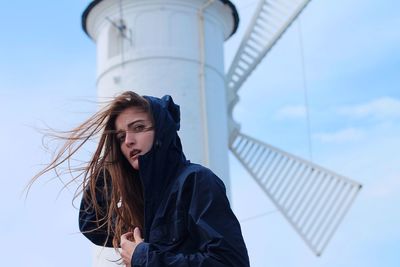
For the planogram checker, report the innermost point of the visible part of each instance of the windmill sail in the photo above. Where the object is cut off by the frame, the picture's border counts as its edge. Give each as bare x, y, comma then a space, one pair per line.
270, 21
313, 199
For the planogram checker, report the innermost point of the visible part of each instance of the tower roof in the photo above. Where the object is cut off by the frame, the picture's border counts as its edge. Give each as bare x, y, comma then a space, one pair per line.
92, 4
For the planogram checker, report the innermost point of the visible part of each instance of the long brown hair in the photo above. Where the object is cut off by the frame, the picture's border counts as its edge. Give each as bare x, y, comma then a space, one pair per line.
122, 187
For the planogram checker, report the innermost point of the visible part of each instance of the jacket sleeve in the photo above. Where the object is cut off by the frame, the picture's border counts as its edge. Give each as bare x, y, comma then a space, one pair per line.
212, 225
95, 229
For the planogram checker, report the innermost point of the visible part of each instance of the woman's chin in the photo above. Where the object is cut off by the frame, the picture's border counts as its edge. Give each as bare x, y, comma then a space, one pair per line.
135, 164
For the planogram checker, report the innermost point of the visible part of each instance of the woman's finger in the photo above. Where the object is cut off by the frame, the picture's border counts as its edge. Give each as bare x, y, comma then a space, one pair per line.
126, 236
137, 235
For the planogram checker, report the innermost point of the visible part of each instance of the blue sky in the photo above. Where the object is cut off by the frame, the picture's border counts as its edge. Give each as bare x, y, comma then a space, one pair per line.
352, 65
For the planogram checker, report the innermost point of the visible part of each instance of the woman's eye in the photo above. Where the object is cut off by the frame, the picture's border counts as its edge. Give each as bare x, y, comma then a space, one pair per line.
121, 138
138, 128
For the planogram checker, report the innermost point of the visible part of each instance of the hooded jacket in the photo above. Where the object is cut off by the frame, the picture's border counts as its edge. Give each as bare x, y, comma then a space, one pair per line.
187, 216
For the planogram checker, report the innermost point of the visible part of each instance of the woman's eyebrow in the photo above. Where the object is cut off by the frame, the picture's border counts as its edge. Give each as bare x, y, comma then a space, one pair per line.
133, 122
130, 124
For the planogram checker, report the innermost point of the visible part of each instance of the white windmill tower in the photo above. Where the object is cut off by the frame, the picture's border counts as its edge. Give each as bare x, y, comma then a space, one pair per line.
175, 47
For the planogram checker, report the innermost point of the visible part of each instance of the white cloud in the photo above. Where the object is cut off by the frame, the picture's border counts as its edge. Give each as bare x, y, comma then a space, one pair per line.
345, 135
291, 112
381, 108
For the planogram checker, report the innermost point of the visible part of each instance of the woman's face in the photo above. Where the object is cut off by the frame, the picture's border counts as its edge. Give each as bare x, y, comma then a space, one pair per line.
135, 134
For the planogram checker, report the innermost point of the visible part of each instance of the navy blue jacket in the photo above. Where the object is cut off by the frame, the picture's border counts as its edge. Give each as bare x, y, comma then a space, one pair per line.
187, 218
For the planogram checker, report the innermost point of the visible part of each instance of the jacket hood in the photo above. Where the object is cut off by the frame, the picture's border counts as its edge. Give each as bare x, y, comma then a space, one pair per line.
160, 166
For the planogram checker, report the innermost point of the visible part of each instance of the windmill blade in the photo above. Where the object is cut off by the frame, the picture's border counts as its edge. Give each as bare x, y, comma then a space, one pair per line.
313, 199
270, 21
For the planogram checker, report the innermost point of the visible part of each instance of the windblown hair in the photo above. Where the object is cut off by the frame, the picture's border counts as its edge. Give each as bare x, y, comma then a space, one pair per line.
124, 206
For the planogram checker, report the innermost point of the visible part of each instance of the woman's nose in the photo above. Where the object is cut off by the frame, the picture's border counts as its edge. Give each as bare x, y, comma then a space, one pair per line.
130, 138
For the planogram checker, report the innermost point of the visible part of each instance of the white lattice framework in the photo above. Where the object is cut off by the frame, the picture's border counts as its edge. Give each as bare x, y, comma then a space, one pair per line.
313, 199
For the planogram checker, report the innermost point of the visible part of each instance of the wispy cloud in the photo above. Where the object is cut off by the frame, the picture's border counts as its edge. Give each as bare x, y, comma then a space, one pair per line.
345, 135
291, 112
381, 108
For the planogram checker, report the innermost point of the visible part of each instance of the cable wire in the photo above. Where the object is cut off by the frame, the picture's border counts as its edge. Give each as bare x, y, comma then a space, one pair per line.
258, 216
305, 88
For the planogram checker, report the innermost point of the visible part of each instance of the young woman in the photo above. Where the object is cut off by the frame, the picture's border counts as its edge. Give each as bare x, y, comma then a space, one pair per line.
143, 196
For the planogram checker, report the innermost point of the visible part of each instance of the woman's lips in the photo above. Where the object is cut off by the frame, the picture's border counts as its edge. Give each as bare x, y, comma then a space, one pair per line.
134, 154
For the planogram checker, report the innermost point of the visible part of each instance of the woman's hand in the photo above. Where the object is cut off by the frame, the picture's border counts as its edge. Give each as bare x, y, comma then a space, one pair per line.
128, 246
